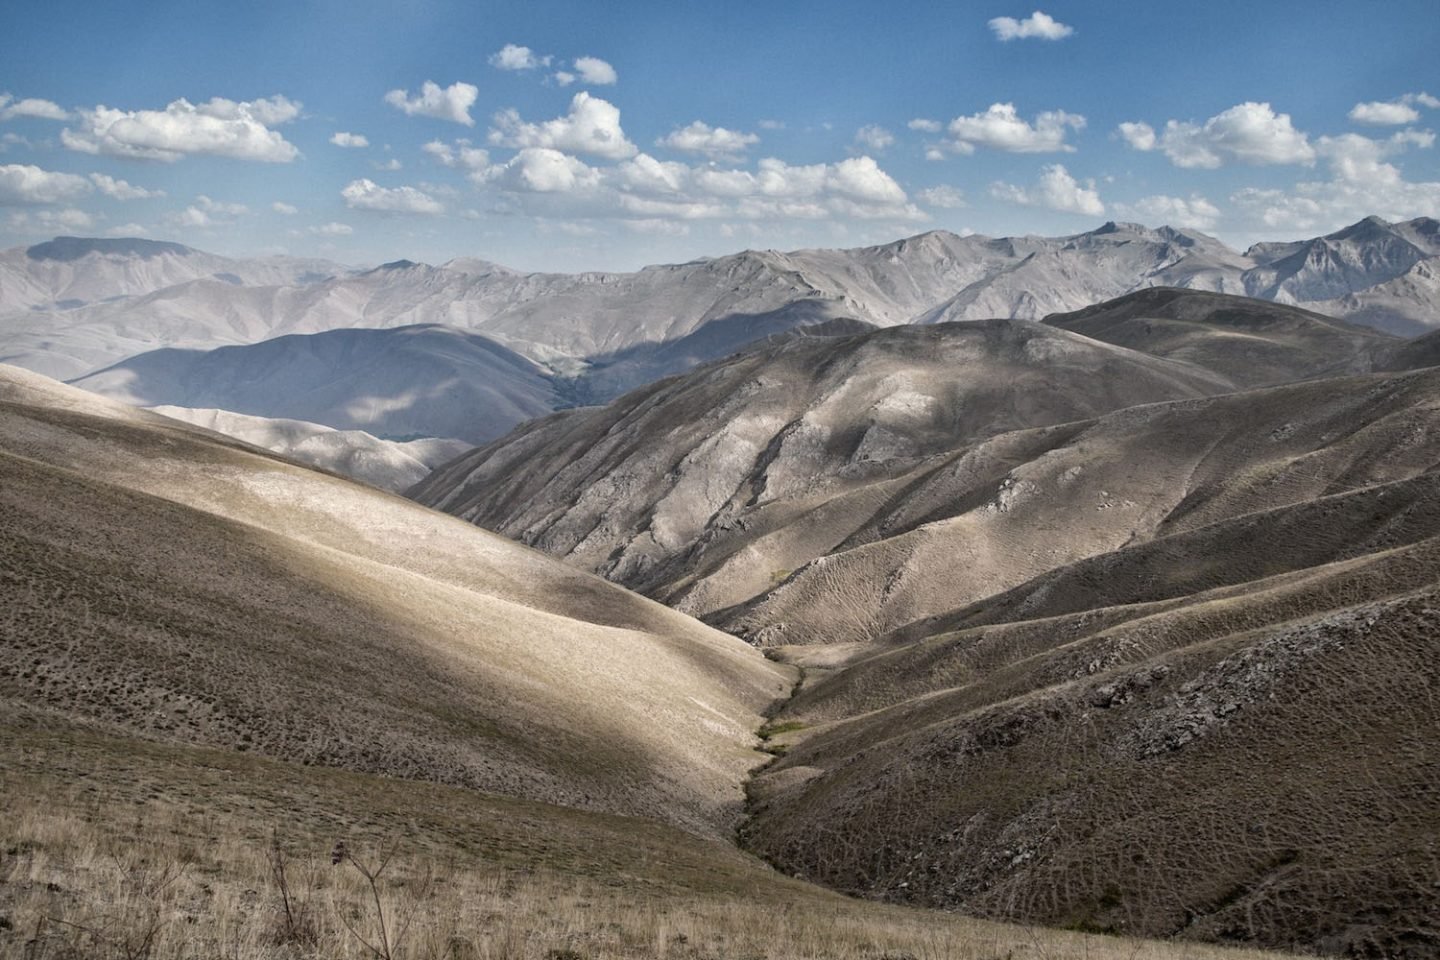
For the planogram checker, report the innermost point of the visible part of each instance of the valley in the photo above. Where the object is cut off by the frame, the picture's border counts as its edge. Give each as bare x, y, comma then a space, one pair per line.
917, 600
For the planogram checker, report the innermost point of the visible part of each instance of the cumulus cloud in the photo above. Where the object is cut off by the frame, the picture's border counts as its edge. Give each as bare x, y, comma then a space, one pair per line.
1000, 127
11, 109
206, 212
1362, 182
343, 139
1196, 213
279, 206
549, 183
1057, 190
1140, 136
543, 170
943, 196
127, 230
1038, 25
218, 127
592, 127
715, 142
451, 103
925, 126
874, 137
27, 184
366, 194
1393, 112
1249, 132
515, 57
117, 189
593, 70
461, 154
332, 230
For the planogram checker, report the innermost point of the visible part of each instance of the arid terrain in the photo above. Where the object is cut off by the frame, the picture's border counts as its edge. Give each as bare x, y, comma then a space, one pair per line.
1136, 666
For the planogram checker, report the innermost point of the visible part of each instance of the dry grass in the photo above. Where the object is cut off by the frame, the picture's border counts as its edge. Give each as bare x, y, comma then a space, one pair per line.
121, 849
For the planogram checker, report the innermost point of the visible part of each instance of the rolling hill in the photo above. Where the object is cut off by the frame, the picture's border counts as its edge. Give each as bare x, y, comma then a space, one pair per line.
215, 596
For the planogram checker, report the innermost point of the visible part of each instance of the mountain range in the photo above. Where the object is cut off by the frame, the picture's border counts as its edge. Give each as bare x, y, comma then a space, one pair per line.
1106, 638
135, 315
1091, 582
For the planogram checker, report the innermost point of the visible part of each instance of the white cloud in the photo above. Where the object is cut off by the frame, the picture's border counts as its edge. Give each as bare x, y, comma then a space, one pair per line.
218, 127
771, 124
10, 109
543, 170
595, 71
1248, 132
443, 103
1382, 113
284, 208
1363, 182
118, 189
925, 126
333, 230
547, 183
563, 78
874, 137
515, 57
26, 184
127, 230
592, 126
1057, 190
1393, 112
943, 196
389, 166
366, 194
1038, 25
461, 155
343, 139
205, 212
1196, 213
1140, 136
715, 142
1001, 128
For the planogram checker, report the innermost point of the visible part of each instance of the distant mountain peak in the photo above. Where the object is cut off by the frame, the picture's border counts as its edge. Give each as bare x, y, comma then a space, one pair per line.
73, 248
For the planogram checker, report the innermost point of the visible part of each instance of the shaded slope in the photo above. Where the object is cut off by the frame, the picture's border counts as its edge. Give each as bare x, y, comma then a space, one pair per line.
1216, 730
1254, 343
209, 594
425, 381
663, 487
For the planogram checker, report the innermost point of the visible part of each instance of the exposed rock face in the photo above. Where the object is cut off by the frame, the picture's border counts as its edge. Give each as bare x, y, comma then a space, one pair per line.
709, 489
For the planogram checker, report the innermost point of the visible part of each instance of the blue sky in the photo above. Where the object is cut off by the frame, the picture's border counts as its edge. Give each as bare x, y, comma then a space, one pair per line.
587, 135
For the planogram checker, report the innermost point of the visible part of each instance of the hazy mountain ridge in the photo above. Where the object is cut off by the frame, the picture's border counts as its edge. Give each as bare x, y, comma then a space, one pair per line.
71, 315
417, 381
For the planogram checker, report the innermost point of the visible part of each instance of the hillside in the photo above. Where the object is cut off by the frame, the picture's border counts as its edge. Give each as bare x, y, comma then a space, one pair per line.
214, 596
408, 382
74, 306
1255, 344
689, 490
388, 464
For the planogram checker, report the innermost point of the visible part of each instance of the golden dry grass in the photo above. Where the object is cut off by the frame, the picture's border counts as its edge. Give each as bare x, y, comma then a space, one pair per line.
114, 848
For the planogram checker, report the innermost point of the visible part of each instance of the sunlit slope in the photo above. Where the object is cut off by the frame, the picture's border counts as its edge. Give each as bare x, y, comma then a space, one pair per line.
178, 585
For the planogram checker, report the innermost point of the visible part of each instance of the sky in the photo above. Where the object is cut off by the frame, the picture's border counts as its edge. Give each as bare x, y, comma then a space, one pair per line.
567, 135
